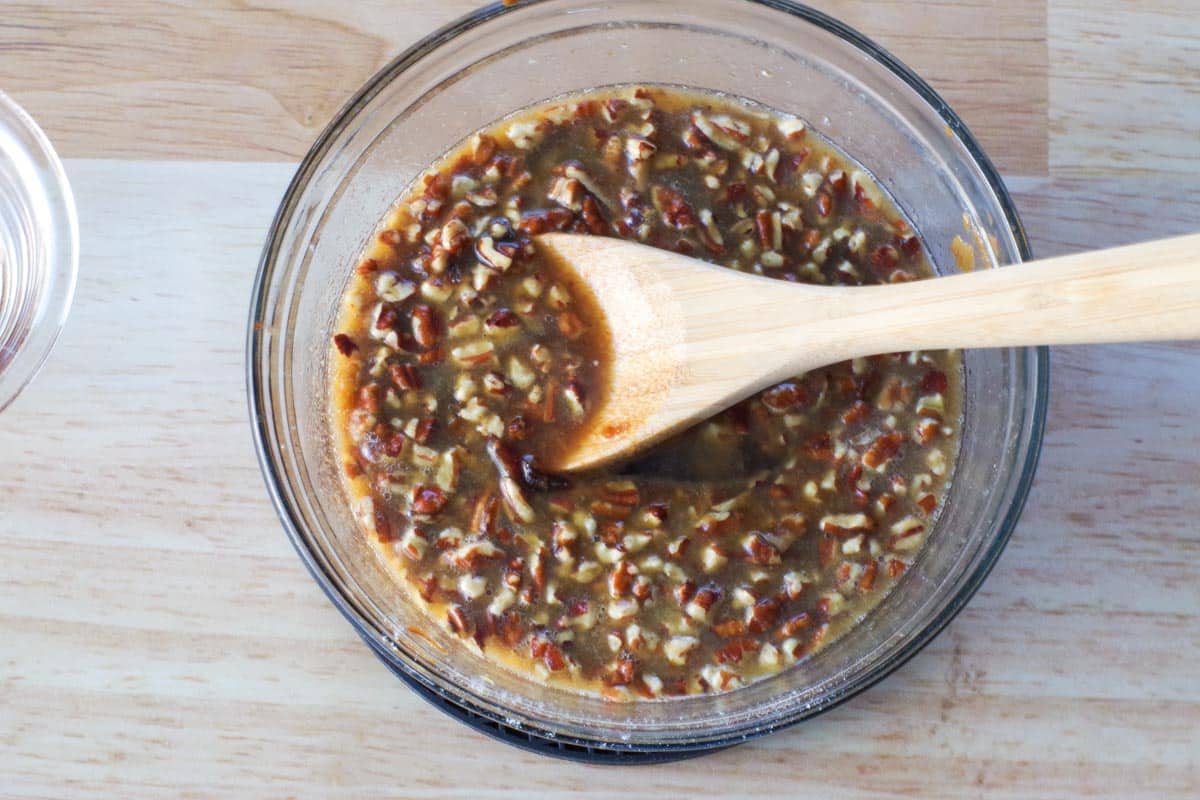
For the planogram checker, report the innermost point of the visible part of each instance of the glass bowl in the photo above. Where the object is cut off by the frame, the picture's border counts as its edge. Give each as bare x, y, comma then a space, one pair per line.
39, 248
499, 59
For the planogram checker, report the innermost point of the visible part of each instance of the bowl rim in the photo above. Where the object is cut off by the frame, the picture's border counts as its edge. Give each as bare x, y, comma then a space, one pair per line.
260, 413
61, 273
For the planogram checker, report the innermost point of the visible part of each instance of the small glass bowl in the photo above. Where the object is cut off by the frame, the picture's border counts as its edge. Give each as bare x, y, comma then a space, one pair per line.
39, 248
503, 58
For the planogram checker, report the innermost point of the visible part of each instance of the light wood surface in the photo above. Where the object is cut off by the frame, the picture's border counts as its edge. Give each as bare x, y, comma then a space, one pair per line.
160, 638
688, 339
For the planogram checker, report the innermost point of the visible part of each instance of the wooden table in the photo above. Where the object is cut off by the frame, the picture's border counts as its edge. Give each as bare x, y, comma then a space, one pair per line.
159, 637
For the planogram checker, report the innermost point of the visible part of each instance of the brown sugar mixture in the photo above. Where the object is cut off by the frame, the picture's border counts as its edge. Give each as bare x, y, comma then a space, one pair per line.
730, 552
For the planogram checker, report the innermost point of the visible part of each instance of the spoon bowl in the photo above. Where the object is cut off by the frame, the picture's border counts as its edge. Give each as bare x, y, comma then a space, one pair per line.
689, 339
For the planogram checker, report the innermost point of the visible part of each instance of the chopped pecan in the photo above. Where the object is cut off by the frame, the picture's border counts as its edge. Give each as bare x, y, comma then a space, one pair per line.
885, 257
824, 204
674, 209
570, 325
620, 579
593, 218
856, 413
405, 376
457, 619
623, 673
732, 652
549, 652
764, 613
934, 382
387, 319
368, 398
707, 596
762, 223
483, 517
759, 551
784, 397
426, 325
424, 429
729, 628
684, 592
883, 449
392, 238
866, 580
819, 447
534, 223
428, 499
794, 625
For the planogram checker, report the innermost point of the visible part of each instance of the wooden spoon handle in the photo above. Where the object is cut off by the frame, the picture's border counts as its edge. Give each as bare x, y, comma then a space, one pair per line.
1142, 292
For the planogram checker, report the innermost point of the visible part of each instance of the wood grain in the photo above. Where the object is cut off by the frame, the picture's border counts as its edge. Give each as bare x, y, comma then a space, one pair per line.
228, 80
1126, 88
159, 637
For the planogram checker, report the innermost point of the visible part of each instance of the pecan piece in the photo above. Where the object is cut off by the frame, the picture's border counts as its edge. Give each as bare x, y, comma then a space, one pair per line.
392, 238
551, 219
344, 344
457, 619
846, 525
866, 580
684, 592
824, 204
424, 430
483, 517
593, 218
759, 551
883, 449
819, 447
856, 413
405, 376
497, 256
674, 209
729, 628
826, 550
885, 257
934, 382
368, 398
426, 326
428, 499
732, 652
784, 397
550, 653
706, 597
509, 629
502, 319
794, 625
764, 613
387, 319
623, 673
762, 223
570, 325
620, 580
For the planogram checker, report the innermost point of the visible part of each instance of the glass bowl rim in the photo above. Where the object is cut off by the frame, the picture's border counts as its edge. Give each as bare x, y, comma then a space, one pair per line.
62, 273
259, 412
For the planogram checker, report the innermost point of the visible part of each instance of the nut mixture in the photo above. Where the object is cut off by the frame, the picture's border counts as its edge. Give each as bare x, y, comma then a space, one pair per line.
734, 550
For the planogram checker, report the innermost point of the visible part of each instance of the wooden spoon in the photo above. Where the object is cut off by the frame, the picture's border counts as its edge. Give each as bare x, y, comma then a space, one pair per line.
690, 339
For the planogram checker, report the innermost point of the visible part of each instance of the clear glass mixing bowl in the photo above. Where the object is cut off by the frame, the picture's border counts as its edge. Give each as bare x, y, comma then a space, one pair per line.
500, 59
39, 248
